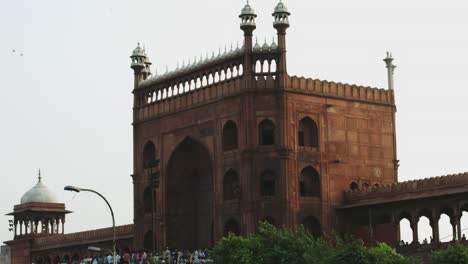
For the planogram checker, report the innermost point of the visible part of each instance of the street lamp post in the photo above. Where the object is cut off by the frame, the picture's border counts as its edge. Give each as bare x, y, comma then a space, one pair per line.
78, 189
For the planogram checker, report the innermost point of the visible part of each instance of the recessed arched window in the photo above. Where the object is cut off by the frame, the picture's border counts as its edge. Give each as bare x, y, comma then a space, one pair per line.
229, 136
266, 133
231, 188
309, 183
308, 133
231, 226
149, 155
312, 225
268, 183
147, 200
353, 186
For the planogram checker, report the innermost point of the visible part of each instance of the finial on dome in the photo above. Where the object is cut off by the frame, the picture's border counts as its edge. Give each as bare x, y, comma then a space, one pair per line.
39, 176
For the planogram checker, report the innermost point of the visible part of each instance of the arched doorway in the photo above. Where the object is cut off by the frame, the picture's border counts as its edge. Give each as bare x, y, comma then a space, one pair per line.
189, 197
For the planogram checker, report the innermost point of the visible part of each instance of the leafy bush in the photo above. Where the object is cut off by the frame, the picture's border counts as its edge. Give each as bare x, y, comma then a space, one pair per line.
273, 245
456, 254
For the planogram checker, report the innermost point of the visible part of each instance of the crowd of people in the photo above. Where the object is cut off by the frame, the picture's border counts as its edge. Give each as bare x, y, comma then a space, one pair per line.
146, 257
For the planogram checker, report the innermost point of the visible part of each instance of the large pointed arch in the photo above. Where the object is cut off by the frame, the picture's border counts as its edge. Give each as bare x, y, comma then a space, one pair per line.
189, 196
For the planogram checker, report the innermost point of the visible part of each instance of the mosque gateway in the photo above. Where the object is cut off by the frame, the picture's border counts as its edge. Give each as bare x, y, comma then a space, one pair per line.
228, 140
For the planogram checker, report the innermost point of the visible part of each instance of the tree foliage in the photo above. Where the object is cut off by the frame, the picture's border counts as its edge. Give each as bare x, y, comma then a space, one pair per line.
273, 245
456, 254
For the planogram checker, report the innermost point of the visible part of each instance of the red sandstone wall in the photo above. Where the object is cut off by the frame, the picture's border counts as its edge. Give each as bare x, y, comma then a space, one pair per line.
356, 145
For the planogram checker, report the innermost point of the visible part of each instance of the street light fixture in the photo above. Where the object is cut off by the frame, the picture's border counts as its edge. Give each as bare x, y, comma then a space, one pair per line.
78, 189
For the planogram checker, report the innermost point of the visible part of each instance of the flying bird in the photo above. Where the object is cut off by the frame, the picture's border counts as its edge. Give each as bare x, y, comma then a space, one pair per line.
20, 53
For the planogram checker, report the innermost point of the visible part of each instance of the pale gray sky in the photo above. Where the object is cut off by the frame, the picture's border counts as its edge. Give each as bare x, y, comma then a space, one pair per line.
65, 105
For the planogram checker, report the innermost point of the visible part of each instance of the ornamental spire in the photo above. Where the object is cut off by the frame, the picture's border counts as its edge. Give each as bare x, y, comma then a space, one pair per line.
39, 176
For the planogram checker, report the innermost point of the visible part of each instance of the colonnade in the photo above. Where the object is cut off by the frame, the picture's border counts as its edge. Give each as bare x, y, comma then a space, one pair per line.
30, 226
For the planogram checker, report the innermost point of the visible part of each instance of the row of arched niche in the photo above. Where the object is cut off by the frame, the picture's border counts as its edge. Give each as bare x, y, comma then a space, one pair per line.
307, 137
309, 186
231, 72
307, 134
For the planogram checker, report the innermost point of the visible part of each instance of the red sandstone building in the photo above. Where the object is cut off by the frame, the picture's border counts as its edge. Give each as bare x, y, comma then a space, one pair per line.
234, 139
239, 141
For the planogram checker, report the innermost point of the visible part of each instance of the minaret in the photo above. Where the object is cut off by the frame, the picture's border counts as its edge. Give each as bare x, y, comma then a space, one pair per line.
247, 25
140, 65
281, 24
390, 70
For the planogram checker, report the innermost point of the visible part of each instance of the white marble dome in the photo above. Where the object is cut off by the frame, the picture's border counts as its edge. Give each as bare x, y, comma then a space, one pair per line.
139, 51
39, 194
247, 10
281, 8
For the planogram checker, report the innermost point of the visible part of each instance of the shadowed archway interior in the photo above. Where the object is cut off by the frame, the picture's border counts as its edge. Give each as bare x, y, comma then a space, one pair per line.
189, 197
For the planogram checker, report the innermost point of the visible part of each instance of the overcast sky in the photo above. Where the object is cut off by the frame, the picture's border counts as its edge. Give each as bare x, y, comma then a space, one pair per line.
65, 104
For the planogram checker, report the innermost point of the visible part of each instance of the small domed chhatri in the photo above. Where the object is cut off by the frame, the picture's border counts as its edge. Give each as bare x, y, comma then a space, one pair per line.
281, 8
139, 51
248, 10
281, 15
39, 194
247, 17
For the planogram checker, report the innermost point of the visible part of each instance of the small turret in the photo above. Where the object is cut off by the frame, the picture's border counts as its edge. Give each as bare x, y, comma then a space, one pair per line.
140, 64
281, 15
247, 17
390, 70
247, 25
281, 23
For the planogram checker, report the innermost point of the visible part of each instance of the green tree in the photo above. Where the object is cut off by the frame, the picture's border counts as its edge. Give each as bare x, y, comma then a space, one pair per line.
353, 252
383, 254
235, 250
271, 245
456, 254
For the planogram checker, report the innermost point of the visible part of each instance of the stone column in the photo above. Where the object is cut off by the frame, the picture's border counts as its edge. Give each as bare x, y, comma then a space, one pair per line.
371, 227
454, 230
414, 227
435, 228
16, 227
52, 226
